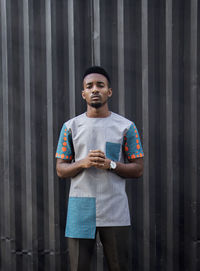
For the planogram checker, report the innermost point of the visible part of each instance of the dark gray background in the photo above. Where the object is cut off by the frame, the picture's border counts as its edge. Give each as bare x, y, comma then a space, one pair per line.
151, 50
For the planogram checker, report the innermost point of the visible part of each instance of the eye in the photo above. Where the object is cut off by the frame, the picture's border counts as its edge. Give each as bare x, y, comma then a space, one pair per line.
89, 86
100, 85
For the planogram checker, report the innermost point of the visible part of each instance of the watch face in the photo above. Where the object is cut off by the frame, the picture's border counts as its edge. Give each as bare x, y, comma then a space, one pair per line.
113, 165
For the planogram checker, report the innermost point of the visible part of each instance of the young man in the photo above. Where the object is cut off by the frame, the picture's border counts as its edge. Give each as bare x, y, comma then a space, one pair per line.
92, 150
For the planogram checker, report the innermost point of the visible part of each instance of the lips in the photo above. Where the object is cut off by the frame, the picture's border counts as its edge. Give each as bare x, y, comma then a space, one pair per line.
95, 97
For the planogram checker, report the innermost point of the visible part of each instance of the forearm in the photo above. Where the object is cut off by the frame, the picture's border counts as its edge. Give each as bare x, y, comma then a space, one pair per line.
134, 169
68, 170
130, 170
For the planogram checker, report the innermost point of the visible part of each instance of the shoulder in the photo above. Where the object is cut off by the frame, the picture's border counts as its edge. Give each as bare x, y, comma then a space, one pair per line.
121, 120
76, 121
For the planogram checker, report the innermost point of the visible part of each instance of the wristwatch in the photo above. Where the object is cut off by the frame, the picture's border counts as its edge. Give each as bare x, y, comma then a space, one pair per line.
113, 165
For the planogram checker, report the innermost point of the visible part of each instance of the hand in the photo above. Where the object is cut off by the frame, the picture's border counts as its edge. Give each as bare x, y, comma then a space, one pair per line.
96, 158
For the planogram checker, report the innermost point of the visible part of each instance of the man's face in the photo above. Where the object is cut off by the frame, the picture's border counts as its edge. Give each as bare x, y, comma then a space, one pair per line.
96, 91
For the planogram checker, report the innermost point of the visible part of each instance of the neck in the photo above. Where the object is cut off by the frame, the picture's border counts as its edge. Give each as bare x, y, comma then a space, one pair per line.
101, 112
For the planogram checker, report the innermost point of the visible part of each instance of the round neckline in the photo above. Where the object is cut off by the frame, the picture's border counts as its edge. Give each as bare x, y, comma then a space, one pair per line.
97, 117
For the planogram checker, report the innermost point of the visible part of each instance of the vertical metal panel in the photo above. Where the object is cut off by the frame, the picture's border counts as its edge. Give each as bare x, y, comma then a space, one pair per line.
71, 58
151, 50
145, 120
187, 142
190, 118
194, 124
177, 128
169, 154
109, 45
96, 32
161, 194
120, 30
28, 162
51, 190
5, 216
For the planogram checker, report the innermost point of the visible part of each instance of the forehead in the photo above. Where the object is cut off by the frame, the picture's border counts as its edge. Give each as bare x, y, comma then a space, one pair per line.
95, 77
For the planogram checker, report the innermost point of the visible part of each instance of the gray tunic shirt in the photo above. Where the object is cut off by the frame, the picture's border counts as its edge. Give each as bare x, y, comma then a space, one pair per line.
97, 197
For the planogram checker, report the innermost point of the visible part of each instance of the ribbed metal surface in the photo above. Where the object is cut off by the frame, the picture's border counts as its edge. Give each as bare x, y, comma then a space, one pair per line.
151, 50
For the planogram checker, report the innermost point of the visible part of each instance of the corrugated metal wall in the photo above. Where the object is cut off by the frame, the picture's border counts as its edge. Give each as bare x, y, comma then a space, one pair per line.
151, 49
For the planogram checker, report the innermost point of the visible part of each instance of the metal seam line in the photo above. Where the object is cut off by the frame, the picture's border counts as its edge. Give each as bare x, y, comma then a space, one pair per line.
92, 29
169, 136
194, 125
145, 120
51, 198
6, 227
71, 58
120, 26
27, 113
96, 32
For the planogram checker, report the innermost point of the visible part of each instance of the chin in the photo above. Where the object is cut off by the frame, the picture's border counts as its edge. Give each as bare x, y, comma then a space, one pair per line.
96, 105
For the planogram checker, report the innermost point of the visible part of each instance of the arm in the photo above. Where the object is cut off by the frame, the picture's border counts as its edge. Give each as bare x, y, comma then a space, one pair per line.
65, 169
97, 159
134, 169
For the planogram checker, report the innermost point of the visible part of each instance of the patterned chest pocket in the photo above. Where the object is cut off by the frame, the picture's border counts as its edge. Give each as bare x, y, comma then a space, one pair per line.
113, 150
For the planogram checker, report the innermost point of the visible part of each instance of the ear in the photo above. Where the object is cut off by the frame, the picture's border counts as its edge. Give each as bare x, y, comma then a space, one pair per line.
109, 92
83, 94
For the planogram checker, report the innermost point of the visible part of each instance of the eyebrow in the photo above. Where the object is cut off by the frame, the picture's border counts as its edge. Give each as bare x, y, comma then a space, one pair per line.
98, 82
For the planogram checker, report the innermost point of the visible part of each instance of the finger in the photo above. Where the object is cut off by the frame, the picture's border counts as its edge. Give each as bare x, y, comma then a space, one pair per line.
97, 151
100, 166
96, 164
97, 160
91, 154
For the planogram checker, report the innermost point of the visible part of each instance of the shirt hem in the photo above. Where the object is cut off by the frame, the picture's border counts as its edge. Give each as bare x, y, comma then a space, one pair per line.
111, 224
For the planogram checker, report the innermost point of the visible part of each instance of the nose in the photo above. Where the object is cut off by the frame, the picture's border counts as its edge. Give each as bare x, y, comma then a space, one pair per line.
95, 90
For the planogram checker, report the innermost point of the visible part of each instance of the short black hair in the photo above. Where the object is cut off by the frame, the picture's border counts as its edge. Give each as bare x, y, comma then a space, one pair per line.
97, 69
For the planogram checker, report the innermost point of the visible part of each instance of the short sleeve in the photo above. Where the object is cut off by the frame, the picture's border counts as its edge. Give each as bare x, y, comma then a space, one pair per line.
132, 144
65, 148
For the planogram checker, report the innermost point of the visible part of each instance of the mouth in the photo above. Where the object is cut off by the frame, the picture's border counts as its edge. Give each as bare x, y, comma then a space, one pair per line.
95, 97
